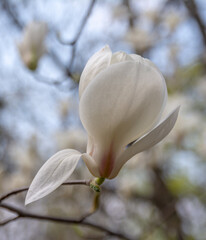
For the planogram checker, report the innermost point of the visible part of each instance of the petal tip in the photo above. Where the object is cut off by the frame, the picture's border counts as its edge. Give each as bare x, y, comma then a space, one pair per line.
28, 200
106, 47
31, 197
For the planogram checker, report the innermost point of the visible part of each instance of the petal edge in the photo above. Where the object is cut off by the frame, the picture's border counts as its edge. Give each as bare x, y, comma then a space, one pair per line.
147, 141
52, 174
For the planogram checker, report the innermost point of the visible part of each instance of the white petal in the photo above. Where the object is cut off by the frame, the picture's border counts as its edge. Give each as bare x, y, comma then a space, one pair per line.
34, 37
89, 161
91, 164
98, 62
35, 33
123, 103
147, 141
52, 174
136, 57
146, 61
120, 57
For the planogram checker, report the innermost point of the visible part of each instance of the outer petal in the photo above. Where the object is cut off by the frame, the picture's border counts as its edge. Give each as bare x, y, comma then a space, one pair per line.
120, 57
91, 164
147, 141
34, 37
122, 103
98, 62
138, 58
52, 174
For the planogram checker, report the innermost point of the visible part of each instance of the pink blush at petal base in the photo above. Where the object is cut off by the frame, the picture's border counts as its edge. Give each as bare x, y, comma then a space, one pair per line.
107, 163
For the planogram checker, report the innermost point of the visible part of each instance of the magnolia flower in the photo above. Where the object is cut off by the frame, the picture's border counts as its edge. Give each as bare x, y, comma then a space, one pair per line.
122, 97
32, 47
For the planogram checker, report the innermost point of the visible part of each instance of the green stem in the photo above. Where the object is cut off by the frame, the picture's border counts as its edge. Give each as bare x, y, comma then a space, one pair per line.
95, 184
99, 181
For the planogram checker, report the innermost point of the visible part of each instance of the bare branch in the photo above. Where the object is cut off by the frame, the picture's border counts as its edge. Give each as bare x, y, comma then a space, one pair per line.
66, 69
94, 208
132, 16
13, 16
193, 10
74, 42
16, 191
81, 221
81, 28
8, 221
24, 214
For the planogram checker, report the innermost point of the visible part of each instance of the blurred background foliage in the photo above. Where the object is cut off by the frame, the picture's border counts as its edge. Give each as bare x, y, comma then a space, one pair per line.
159, 194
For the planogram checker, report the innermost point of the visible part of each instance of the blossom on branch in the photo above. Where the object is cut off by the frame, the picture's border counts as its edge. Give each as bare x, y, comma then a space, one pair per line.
32, 46
122, 97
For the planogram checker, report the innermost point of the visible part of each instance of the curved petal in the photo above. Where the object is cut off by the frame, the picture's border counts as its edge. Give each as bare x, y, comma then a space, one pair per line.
138, 58
35, 33
34, 36
91, 164
123, 103
52, 174
147, 141
98, 62
120, 57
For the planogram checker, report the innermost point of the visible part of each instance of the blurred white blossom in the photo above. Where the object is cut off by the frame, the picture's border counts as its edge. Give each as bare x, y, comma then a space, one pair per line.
32, 46
140, 39
74, 138
172, 20
120, 12
153, 16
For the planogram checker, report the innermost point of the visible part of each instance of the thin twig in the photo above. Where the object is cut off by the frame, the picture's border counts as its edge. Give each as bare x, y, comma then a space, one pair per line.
81, 28
60, 64
65, 68
193, 10
74, 42
16, 191
9, 220
13, 15
81, 221
132, 17
24, 214
94, 207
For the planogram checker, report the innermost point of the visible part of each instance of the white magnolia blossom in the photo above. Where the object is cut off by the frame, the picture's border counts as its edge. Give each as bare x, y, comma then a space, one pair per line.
32, 46
122, 97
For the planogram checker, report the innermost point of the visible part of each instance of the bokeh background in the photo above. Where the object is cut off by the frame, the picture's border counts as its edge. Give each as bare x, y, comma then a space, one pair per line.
158, 195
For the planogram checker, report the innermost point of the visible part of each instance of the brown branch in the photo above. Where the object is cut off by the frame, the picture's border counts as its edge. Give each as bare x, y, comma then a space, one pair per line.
16, 191
51, 82
132, 17
59, 63
74, 42
81, 221
14, 18
94, 208
10, 12
161, 198
193, 10
65, 68
8, 221
81, 28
